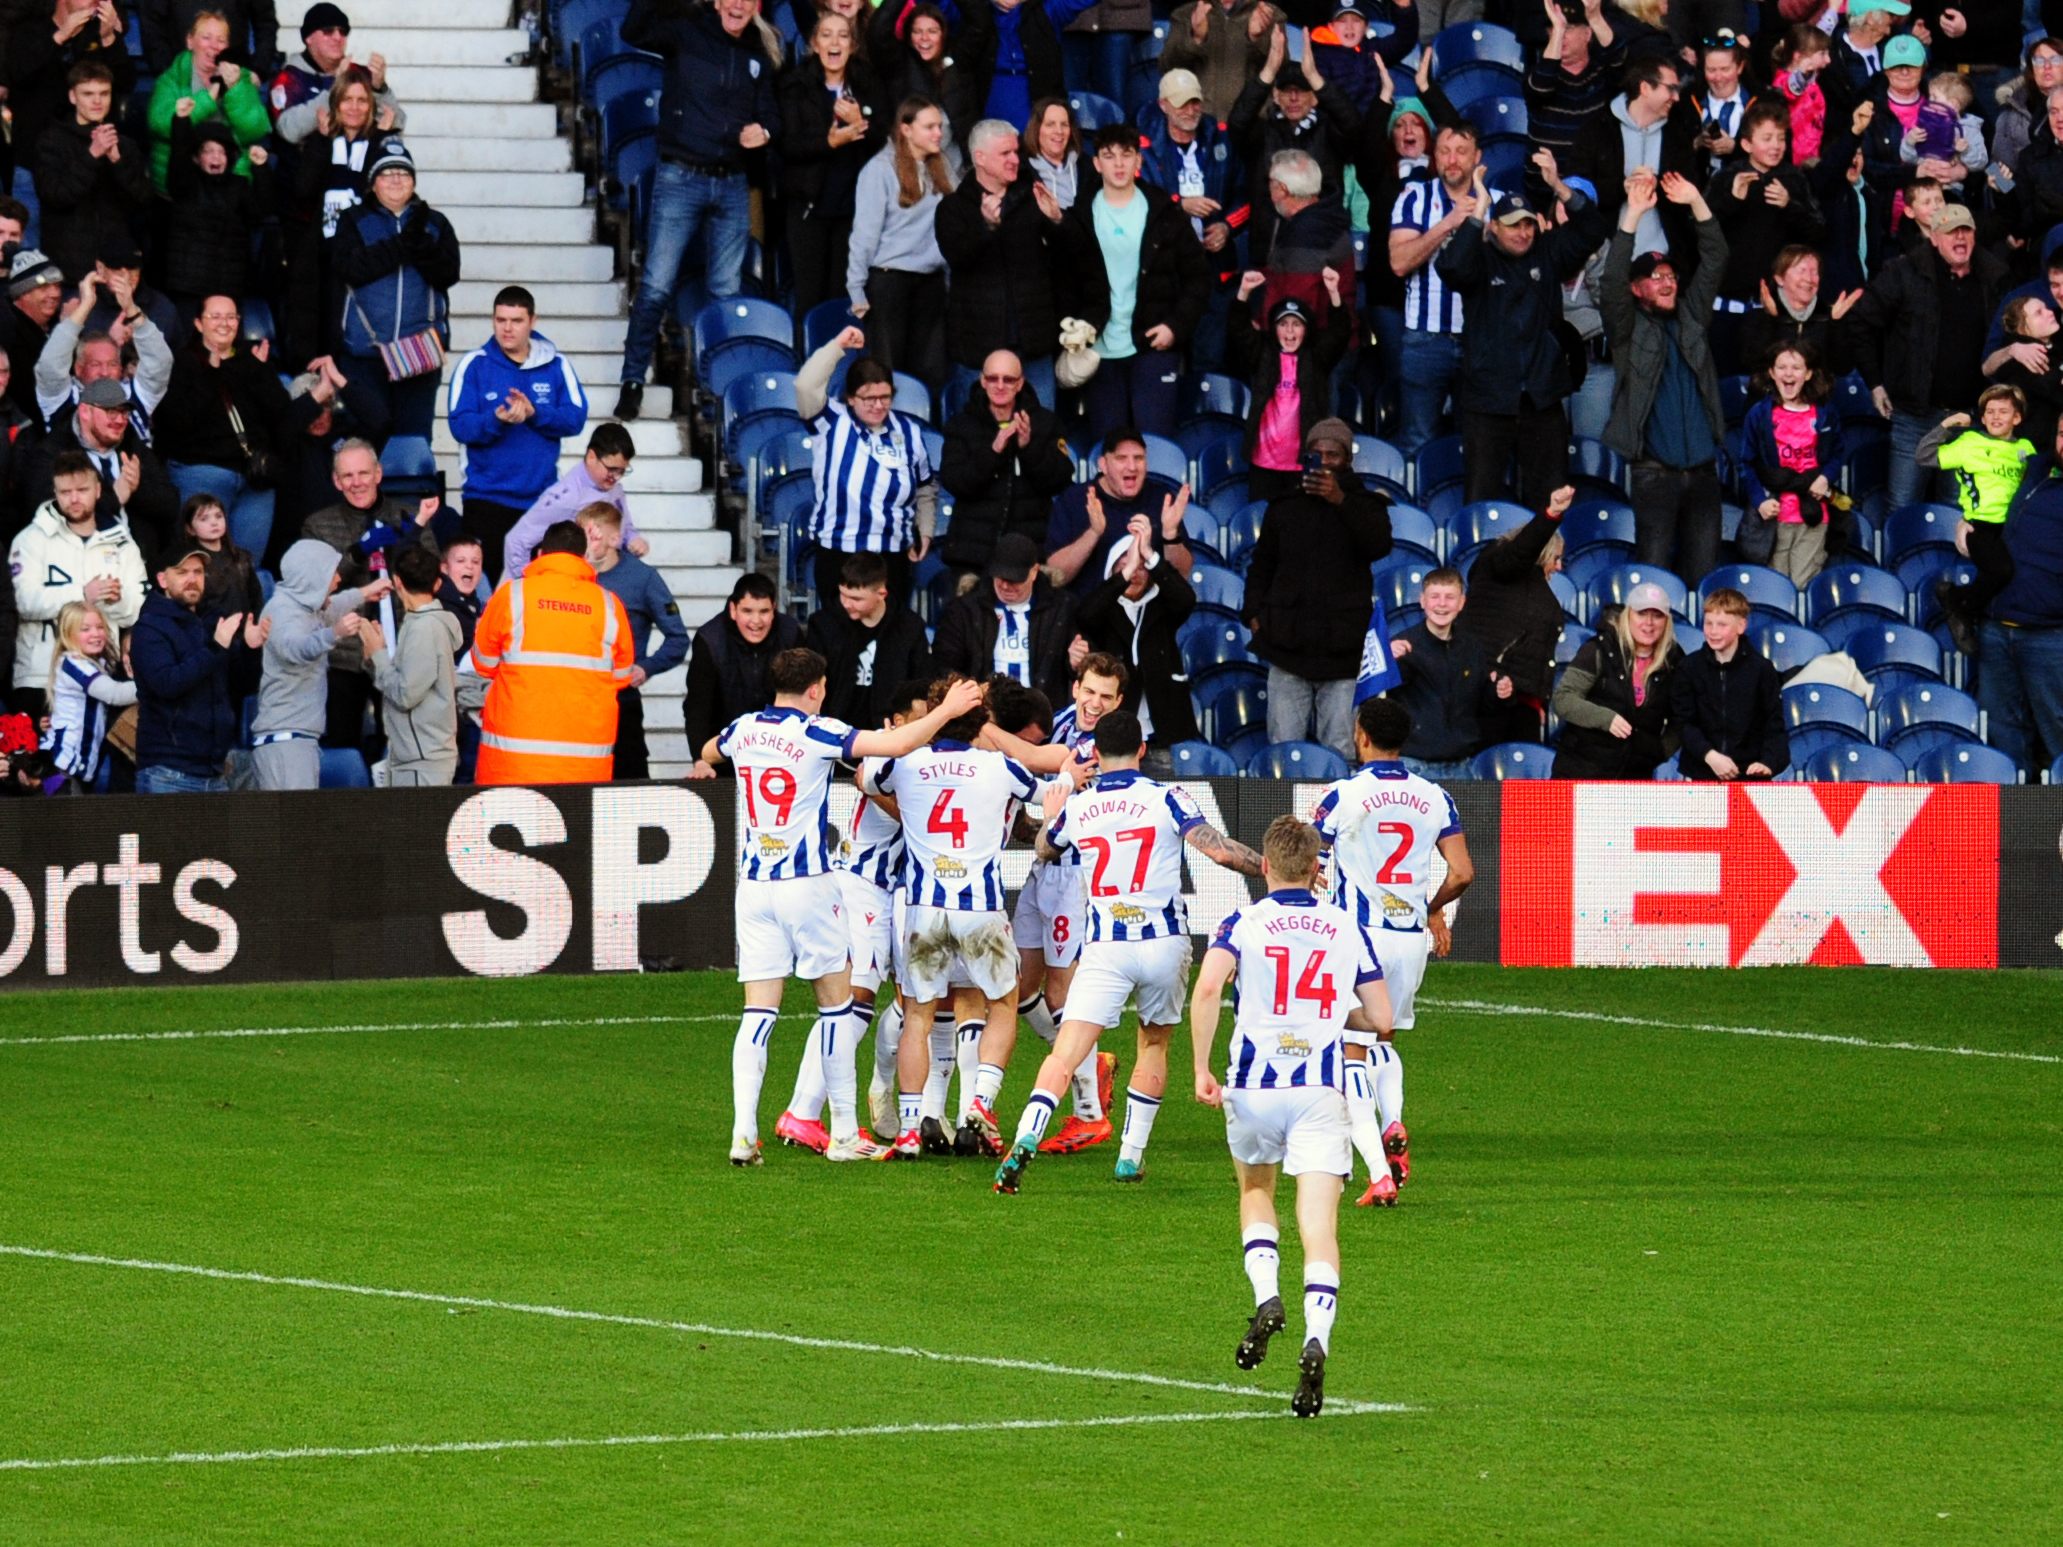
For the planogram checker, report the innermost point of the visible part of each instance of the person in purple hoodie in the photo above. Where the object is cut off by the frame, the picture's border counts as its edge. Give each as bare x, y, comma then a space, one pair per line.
599, 477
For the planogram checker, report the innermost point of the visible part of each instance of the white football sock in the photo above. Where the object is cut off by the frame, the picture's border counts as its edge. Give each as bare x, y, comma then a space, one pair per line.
988, 1082
1321, 1302
1361, 1119
940, 1079
1088, 1097
808, 1101
888, 1036
909, 1111
748, 1070
1140, 1111
1038, 1111
838, 1037
968, 1057
1389, 1082
1263, 1262
1039, 1017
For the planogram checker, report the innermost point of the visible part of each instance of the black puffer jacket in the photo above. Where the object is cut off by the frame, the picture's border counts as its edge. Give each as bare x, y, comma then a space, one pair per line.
1894, 328
1259, 130
966, 639
213, 216
816, 179
1735, 707
192, 424
88, 200
1001, 275
999, 491
1512, 612
1512, 303
1174, 279
1150, 646
1598, 684
899, 73
1309, 593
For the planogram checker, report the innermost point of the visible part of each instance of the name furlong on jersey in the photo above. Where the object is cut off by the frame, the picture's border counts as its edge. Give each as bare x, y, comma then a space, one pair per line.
1385, 825
873, 847
1300, 962
785, 760
1125, 832
957, 802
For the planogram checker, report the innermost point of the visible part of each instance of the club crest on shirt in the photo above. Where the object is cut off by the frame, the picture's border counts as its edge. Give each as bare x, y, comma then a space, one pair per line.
772, 847
1395, 907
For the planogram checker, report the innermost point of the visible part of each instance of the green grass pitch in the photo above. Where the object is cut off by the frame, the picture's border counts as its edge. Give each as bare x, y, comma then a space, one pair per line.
1649, 1284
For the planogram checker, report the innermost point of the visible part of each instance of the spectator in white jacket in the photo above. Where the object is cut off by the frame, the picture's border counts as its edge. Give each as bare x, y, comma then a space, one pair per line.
894, 271
67, 553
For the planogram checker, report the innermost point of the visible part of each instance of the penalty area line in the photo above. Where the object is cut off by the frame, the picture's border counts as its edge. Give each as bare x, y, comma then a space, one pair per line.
325, 1031
615, 1441
1487, 1007
659, 1324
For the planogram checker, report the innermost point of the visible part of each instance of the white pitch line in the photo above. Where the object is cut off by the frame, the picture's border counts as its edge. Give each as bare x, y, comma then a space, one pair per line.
1485, 1007
320, 1031
657, 1324
471, 1447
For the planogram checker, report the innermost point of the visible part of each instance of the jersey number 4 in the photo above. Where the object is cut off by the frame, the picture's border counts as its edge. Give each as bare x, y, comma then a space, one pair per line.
1100, 847
948, 818
1309, 986
777, 789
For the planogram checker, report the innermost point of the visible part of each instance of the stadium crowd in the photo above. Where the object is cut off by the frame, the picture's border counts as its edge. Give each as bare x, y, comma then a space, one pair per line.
1551, 329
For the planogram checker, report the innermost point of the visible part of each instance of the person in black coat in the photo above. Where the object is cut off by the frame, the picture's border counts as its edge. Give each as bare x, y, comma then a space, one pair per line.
1797, 308
1004, 462
1727, 701
1134, 615
38, 63
730, 663
1514, 368
1169, 291
971, 637
910, 56
214, 215
868, 646
1615, 701
1312, 351
978, 43
354, 412
998, 233
1515, 616
830, 128
92, 178
1290, 107
101, 427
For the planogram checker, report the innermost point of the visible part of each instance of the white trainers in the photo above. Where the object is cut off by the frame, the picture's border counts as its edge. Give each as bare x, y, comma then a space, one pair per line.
860, 1146
881, 1107
745, 1152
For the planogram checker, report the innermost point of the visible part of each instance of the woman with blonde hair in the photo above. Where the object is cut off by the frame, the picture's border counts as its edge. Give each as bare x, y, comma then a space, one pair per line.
87, 686
895, 274
1616, 721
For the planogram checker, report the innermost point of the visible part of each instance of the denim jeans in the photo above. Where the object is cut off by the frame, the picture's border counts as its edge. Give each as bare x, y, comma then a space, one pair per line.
1431, 362
1138, 391
162, 779
250, 513
2020, 686
1301, 710
1590, 405
1437, 771
682, 202
1098, 62
1037, 373
1910, 482
1676, 519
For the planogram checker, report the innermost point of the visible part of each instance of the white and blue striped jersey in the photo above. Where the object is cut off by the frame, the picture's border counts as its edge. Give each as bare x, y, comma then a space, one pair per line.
873, 848
1125, 832
1300, 963
1384, 823
1069, 733
1429, 306
81, 694
866, 481
785, 760
957, 803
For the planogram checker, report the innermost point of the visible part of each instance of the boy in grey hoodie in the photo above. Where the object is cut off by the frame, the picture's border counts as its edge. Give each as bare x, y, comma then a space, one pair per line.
416, 676
308, 616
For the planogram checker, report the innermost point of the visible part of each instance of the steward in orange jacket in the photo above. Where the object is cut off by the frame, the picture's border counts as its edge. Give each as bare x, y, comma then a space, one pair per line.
556, 647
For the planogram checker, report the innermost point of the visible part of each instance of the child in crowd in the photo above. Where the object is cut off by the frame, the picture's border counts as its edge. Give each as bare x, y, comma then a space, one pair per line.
415, 675
1987, 463
1797, 59
1948, 98
1727, 702
1292, 388
86, 682
1794, 452
1449, 686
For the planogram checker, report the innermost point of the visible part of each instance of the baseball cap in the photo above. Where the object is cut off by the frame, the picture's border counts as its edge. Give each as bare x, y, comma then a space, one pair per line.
1904, 50
1646, 264
1510, 209
1291, 78
180, 552
119, 252
1180, 86
1288, 306
1864, 7
1955, 217
1647, 597
392, 154
1016, 557
105, 393
1337, 431
321, 17
1348, 8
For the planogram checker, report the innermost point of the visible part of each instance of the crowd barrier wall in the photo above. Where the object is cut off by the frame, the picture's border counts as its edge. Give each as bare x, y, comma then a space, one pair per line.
506, 882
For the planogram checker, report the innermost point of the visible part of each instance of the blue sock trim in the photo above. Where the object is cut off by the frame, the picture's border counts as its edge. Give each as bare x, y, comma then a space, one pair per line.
1144, 1101
1265, 1243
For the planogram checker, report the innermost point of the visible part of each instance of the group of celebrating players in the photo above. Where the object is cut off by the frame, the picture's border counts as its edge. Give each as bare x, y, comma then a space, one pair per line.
1324, 968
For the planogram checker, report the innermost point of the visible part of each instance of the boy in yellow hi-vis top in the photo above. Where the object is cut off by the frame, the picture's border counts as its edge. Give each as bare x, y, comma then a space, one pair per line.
1987, 464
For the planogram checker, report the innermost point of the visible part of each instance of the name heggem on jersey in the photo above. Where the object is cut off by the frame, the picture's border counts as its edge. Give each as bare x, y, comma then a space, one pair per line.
785, 760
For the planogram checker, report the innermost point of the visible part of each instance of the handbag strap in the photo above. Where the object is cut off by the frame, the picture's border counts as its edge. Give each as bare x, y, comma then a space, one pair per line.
236, 420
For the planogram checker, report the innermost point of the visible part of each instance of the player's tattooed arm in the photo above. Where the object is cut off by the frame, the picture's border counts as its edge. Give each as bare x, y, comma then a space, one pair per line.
1229, 852
1046, 850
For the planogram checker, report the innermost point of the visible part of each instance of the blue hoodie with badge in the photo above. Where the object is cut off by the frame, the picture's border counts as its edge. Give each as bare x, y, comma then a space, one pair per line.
512, 464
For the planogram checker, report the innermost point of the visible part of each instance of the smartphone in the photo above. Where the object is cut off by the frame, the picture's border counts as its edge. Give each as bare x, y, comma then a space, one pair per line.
1314, 464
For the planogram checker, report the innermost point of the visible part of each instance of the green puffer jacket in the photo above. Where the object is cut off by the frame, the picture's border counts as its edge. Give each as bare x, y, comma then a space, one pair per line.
241, 106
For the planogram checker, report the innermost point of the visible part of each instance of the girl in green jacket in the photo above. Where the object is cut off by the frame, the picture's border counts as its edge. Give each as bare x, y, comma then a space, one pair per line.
216, 88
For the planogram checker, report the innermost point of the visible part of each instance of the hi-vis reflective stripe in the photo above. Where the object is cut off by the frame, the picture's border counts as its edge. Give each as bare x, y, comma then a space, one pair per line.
554, 658
488, 661
518, 656
503, 743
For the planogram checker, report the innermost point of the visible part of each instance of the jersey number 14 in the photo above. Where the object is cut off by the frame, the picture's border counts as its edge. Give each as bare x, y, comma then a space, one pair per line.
1309, 986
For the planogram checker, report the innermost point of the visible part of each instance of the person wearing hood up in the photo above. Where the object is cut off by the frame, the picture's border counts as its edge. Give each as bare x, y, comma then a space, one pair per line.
307, 615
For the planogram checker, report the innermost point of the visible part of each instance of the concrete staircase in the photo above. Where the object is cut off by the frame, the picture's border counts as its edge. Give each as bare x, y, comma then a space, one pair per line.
491, 156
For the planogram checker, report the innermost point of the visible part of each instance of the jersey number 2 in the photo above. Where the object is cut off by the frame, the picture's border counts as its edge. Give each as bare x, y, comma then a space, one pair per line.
1309, 986
1100, 847
1390, 875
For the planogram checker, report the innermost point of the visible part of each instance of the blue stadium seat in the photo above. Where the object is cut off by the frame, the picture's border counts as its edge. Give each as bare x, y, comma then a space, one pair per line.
1409, 524
1816, 703
790, 451
1926, 605
1767, 590
1221, 641
1242, 532
1670, 773
752, 439
1304, 760
1894, 644
1786, 645
1611, 588
343, 768
1470, 83
1504, 160
1566, 593
1912, 527
1733, 398
1197, 434
409, 457
746, 358
1865, 543
628, 167
722, 324
1918, 569
1597, 462
1220, 463
1858, 763
1442, 503
1207, 392
1438, 464
755, 397
1851, 588
1092, 112
2055, 773
1589, 522
1497, 116
1571, 639
826, 320
1215, 587
1867, 467
1228, 499
1585, 566
1378, 459
571, 19
1238, 707
1852, 398
257, 321
1809, 741
1909, 709
1201, 760
1483, 522
912, 397
1513, 760
1397, 585
1965, 763
1476, 42
1204, 533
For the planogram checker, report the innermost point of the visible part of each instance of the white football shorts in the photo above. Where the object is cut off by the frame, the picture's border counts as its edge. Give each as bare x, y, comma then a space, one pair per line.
942, 946
793, 928
1297, 1127
870, 923
1401, 953
1051, 915
1112, 971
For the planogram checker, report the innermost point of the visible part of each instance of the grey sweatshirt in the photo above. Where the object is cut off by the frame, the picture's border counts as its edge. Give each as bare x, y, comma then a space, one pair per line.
1643, 148
884, 234
417, 681
294, 693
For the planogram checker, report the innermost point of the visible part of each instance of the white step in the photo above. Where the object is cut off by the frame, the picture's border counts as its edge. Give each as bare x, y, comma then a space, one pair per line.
445, 44
710, 581
652, 512
510, 120
459, 83
475, 298
572, 335
698, 610
520, 222
410, 14
659, 475
651, 437
514, 264
476, 153
555, 190
673, 549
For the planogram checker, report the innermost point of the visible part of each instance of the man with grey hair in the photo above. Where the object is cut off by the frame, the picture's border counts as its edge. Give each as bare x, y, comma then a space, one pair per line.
1291, 107
1313, 235
998, 236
